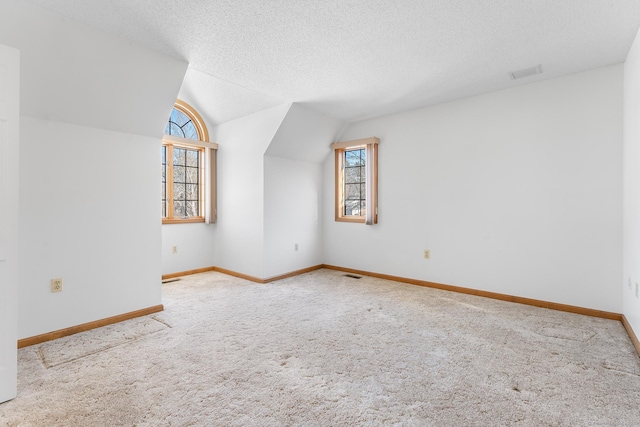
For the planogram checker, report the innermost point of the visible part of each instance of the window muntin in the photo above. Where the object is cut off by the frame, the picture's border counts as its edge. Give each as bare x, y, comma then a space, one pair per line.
357, 180
186, 182
185, 152
354, 182
181, 125
186, 164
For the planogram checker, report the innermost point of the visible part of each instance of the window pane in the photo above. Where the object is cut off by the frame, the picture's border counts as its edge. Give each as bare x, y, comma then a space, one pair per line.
179, 174
179, 156
192, 208
352, 158
179, 191
191, 175
181, 125
352, 191
190, 131
352, 207
178, 209
179, 118
192, 158
352, 175
174, 130
192, 192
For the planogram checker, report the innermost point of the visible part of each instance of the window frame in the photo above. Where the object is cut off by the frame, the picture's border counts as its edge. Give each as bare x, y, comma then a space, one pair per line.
170, 219
370, 145
206, 169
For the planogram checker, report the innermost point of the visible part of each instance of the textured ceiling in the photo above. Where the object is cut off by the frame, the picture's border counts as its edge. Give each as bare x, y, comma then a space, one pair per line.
220, 101
359, 59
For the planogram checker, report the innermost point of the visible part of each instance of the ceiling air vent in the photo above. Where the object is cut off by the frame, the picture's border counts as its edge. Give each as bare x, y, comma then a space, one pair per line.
531, 71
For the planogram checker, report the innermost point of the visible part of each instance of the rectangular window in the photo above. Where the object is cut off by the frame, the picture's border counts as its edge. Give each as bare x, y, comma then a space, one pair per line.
354, 182
182, 177
186, 183
357, 180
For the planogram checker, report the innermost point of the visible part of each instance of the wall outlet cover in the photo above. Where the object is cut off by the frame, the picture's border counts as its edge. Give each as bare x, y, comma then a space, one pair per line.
56, 285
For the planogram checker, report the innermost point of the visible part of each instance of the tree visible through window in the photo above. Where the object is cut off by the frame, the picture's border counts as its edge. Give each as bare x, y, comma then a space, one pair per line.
183, 164
186, 182
354, 185
181, 125
357, 180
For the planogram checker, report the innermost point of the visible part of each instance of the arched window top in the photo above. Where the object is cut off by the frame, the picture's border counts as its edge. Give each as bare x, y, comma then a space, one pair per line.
185, 122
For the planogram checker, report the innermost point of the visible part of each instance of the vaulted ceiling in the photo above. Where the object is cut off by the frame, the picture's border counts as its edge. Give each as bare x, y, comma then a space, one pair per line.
355, 59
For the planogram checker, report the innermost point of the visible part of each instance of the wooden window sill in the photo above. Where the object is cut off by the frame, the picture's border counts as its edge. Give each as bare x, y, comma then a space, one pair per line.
182, 221
360, 219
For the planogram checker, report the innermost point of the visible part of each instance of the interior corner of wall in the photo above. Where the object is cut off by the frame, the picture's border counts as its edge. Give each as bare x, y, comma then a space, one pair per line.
286, 109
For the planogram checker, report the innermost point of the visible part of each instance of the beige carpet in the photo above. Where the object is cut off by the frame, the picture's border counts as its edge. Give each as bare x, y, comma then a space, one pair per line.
322, 349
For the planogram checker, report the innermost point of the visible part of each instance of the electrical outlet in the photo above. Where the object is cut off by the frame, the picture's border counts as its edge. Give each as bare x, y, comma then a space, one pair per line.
56, 285
636, 289
174, 249
296, 247
427, 254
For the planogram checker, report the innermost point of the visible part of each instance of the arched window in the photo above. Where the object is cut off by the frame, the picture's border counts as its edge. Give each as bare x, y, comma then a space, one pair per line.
188, 168
185, 122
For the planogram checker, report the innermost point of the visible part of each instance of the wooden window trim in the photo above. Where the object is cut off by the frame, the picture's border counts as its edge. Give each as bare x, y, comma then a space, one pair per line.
169, 219
340, 148
207, 168
192, 219
176, 140
196, 118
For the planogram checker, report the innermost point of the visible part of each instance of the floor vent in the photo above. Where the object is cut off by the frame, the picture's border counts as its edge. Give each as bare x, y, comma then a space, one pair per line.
353, 276
531, 71
175, 279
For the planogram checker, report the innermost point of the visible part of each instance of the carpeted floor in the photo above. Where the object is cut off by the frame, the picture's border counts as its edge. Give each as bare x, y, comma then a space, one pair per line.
322, 349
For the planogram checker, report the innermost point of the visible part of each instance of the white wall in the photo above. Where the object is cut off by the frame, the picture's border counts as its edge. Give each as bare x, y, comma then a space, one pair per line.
239, 232
9, 218
293, 190
194, 241
89, 209
305, 135
269, 190
516, 192
73, 73
292, 197
89, 213
631, 186
194, 247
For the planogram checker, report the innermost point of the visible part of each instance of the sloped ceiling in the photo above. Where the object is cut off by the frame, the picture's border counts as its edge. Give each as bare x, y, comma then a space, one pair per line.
76, 74
304, 134
219, 101
355, 59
